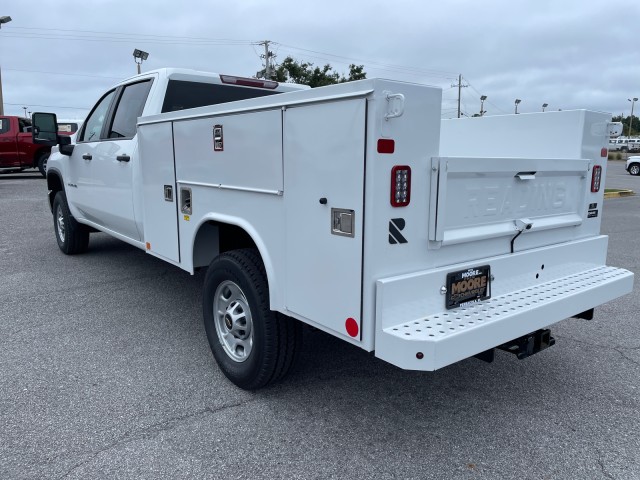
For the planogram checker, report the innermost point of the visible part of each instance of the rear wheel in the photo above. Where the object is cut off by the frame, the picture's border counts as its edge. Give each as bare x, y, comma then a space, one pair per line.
72, 236
634, 169
42, 163
253, 345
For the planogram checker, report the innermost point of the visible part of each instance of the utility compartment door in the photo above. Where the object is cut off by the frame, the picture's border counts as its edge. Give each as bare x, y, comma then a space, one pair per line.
482, 198
160, 214
324, 158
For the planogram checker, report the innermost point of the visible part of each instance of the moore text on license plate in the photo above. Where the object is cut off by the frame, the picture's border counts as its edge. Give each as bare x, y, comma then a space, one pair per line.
470, 285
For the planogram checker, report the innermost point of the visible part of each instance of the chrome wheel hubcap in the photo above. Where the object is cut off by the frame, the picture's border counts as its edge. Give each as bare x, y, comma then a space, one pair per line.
233, 321
60, 224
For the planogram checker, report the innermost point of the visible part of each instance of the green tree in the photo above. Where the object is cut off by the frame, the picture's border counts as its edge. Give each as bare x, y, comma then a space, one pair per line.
305, 73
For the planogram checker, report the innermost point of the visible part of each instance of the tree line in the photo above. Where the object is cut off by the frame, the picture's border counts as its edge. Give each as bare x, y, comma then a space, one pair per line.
305, 73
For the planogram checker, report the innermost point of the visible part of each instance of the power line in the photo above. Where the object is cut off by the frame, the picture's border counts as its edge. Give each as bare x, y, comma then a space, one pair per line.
382, 66
486, 101
61, 73
47, 106
134, 36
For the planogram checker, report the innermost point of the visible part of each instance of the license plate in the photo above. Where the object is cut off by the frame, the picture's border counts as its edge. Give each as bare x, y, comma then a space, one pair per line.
468, 286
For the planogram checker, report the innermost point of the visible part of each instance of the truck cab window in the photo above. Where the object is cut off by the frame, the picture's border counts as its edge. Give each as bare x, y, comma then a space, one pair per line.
183, 94
95, 121
24, 125
129, 108
4, 125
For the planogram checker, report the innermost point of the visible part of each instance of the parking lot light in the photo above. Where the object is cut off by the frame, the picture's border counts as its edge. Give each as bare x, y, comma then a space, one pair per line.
633, 101
139, 56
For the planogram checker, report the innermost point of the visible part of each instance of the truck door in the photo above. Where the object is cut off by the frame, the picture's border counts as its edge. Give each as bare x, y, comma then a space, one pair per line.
105, 187
8, 146
324, 162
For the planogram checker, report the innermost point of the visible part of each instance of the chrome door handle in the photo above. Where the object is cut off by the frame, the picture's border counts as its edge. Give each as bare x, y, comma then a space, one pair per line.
87, 156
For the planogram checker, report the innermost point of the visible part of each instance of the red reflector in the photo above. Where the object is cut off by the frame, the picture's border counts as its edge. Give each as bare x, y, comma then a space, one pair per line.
604, 152
352, 327
386, 145
400, 185
596, 176
248, 82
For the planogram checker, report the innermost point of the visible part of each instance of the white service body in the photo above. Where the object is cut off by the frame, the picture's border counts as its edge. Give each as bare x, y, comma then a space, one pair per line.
305, 176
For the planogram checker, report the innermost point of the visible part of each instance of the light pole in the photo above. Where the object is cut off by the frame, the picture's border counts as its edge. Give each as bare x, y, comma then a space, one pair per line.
3, 19
517, 103
544, 105
482, 99
632, 100
139, 56
25, 111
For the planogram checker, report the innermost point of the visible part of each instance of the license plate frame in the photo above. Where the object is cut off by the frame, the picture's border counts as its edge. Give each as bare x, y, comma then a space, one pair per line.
468, 286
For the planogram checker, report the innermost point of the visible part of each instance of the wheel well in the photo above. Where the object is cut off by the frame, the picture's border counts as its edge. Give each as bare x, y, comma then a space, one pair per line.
214, 238
54, 184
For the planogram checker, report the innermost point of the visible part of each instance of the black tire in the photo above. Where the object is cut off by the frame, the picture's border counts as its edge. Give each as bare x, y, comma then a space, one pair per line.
634, 169
72, 237
42, 163
265, 344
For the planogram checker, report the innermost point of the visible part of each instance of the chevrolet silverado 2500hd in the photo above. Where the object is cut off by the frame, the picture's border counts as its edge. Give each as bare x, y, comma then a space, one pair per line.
352, 208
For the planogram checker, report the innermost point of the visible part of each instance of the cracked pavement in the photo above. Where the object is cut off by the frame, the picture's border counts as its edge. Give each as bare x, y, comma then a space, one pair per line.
106, 373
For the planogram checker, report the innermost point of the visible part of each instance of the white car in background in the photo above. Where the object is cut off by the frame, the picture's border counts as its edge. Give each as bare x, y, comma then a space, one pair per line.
633, 165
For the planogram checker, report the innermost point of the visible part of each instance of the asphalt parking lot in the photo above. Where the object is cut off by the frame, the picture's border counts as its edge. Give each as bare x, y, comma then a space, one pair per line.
106, 373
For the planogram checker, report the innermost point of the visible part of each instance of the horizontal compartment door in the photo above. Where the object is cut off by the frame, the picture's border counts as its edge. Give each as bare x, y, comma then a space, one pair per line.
480, 198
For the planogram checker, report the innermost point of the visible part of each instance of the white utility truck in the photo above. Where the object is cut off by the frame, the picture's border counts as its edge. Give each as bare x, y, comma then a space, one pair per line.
352, 208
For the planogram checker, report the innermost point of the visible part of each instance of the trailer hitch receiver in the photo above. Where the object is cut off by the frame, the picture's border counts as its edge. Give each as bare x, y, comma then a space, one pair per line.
529, 344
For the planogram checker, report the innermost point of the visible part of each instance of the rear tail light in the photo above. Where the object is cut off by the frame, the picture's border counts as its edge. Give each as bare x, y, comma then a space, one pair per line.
400, 185
596, 176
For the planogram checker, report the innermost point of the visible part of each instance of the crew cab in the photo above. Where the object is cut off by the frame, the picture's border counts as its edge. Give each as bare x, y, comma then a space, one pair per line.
17, 150
351, 208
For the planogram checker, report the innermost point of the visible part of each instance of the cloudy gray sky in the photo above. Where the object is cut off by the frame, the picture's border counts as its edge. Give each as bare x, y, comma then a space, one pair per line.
60, 56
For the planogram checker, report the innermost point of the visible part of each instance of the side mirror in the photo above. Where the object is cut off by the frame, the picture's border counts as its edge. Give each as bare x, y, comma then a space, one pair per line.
45, 129
66, 147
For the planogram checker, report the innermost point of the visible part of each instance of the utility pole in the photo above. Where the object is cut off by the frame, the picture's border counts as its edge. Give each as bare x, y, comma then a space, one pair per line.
459, 85
4, 19
267, 59
1, 99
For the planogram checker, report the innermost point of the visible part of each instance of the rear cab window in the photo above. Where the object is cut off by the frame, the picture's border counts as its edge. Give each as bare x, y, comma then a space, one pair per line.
182, 94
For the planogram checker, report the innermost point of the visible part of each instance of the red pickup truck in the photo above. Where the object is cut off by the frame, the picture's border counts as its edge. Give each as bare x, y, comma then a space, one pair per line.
17, 150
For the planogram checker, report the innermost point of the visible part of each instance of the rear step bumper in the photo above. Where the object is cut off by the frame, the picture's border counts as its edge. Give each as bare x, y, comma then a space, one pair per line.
429, 342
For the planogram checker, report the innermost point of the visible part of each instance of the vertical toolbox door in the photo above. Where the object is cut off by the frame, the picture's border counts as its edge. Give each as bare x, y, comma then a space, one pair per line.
159, 191
324, 160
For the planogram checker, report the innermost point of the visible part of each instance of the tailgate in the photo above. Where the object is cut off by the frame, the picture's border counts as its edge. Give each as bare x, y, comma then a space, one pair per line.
482, 198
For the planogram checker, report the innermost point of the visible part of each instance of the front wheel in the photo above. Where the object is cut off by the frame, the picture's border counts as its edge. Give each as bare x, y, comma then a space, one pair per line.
252, 345
634, 169
42, 163
72, 237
